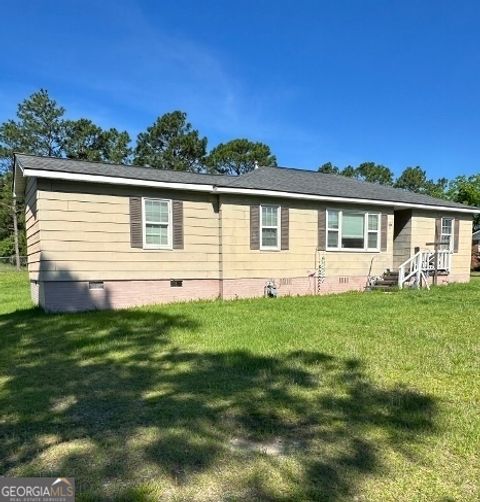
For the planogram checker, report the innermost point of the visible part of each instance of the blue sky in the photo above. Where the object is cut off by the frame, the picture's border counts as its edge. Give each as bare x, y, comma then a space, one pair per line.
396, 82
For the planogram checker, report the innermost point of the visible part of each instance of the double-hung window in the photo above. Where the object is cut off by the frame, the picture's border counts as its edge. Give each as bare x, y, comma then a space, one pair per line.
373, 231
269, 227
356, 230
446, 236
333, 227
157, 223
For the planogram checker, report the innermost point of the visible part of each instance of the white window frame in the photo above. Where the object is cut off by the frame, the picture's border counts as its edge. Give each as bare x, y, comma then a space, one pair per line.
378, 231
451, 235
365, 249
145, 222
337, 230
278, 227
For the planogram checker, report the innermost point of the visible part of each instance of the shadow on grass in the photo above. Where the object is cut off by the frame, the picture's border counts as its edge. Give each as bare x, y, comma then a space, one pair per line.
108, 399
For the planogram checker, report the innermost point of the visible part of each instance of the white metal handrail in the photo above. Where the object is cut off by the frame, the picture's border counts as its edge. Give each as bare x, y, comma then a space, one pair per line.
421, 264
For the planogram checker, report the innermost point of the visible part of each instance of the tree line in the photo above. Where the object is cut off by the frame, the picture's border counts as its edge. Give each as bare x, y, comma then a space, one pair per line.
171, 142
464, 189
42, 128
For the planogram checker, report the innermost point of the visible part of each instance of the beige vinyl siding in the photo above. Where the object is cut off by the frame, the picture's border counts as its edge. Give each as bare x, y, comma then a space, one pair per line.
85, 232
85, 235
239, 261
35, 292
461, 261
32, 227
423, 232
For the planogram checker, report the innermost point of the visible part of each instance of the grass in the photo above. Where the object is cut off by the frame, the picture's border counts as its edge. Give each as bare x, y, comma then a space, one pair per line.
6, 267
366, 397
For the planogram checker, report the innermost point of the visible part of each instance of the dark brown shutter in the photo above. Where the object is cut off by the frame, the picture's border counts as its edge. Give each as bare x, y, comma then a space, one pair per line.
216, 204
285, 228
177, 224
322, 229
438, 229
136, 227
384, 233
456, 234
255, 226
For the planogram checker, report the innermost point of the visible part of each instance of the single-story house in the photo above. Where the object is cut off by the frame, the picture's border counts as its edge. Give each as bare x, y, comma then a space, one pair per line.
109, 236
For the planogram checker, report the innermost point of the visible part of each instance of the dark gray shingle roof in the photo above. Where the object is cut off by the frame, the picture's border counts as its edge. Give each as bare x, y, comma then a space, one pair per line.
333, 185
264, 178
114, 170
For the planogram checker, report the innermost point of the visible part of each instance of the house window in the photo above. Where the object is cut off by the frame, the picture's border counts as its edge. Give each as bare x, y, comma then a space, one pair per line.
373, 231
446, 235
333, 229
157, 223
354, 230
270, 227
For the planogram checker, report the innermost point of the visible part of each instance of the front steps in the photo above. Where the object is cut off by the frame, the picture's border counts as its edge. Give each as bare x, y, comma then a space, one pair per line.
388, 282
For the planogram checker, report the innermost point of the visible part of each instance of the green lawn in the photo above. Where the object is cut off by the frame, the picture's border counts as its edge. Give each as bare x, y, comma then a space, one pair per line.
365, 397
6, 267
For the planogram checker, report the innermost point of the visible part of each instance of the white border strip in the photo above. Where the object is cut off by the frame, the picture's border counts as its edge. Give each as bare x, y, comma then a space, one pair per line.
41, 173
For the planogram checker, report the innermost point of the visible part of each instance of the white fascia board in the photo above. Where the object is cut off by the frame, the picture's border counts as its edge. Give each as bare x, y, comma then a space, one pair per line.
113, 180
349, 200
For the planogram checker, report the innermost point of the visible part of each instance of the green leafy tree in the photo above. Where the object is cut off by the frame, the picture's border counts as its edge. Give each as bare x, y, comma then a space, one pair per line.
239, 156
374, 173
5, 206
39, 129
116, 146
86, 141
171, 143
465, 189
413, 179
438, 188
349, 172
10, 220
328, 168
82, 140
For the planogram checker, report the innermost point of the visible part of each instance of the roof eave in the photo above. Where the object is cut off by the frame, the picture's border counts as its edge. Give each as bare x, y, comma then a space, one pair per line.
113, 180
210, 188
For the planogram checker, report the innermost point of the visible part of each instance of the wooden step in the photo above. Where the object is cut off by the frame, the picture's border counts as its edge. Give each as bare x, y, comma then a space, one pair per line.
386, 282
389, 273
